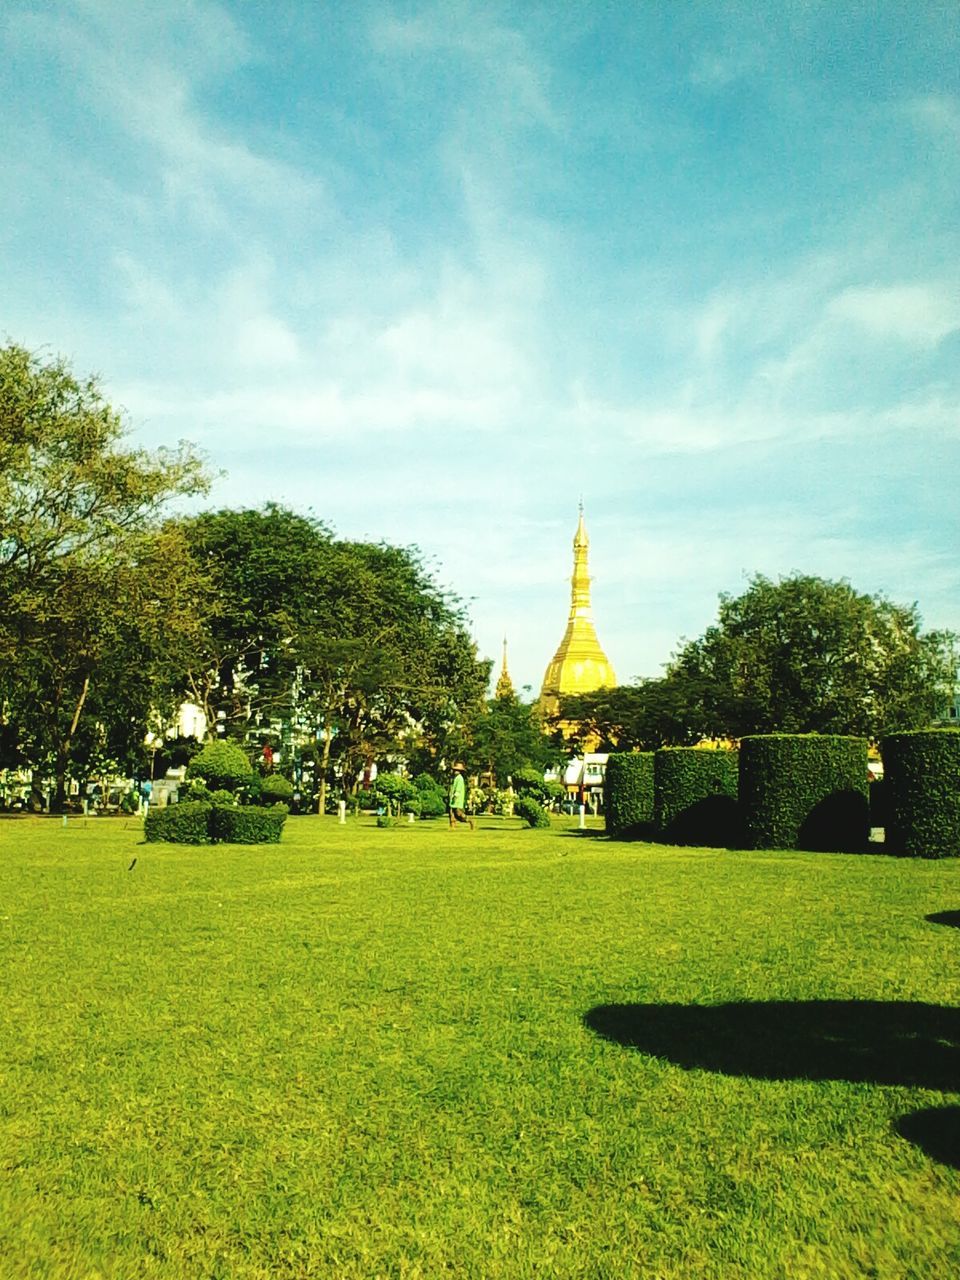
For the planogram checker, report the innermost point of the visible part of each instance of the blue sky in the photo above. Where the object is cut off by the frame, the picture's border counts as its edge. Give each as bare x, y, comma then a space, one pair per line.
435, 270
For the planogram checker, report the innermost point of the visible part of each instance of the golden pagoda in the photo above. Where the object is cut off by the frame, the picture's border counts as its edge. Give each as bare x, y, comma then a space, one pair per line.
579, 665
505, 687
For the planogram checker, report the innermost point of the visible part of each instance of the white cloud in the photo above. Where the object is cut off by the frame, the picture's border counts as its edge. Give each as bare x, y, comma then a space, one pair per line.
914, 313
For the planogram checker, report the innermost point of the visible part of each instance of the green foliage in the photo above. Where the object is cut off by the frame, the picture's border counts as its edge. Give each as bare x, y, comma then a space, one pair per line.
222, 764
222, 797
807, 655
530, 782
187, 823
640, 717
508, 741
247, 824
695, 796
427, 782
804, 791
195, 789
275, 788
385, 820
531, 811
395, 792
628, 793
922, 775
432, 804
365, 798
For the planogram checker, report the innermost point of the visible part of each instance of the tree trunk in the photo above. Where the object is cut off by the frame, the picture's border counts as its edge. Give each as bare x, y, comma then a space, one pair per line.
324, 762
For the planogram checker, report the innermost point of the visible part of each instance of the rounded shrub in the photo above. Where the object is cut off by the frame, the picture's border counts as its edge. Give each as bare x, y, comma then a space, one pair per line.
921, 772
432, 804
222, 797
695, 796
531, 811
628, 794
275, 788
222, 765
804, 791
187, 823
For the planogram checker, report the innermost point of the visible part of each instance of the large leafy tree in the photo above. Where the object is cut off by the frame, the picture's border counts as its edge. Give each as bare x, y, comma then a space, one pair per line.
352, 643
507, 737
808, 655
645, 716
92, 610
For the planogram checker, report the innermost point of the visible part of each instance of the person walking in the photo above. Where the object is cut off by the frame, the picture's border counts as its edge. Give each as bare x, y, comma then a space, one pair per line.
457, 796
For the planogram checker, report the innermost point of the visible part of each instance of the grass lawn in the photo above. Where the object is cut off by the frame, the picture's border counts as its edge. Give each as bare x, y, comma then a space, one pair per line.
417, 1053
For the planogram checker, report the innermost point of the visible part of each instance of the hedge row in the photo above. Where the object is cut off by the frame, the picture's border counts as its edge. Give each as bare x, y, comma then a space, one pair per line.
780, 791
628, 793
922, 782
196, 823
695, 796
804, 791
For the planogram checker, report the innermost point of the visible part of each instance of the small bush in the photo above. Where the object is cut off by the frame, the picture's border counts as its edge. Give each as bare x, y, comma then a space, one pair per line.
804, 791
532, 812
275, 788
232, 824
530, 782
628, 794
432, 804
921, 771
364, 799
385, 820
695, 796
186, 823
196, 790
222, 797
426, 782
221, 764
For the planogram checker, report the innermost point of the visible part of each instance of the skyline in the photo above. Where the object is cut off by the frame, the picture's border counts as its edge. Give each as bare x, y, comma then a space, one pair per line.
433, 272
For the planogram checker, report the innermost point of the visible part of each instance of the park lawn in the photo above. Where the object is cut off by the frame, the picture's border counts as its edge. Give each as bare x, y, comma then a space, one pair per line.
416, 1052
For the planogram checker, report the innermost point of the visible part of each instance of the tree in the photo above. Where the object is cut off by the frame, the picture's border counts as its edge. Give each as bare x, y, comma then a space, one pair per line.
643, 716
92, 619
807, 655
350, 644
507, 738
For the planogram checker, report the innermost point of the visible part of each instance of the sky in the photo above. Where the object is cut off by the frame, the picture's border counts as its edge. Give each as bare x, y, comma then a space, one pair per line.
437, 271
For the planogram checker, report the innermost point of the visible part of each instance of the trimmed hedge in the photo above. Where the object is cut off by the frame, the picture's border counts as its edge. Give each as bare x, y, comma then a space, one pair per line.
231, 824
196, 823
695, 796
628, 794
187, 823
804, 791
222, 765
921, 772
532, 811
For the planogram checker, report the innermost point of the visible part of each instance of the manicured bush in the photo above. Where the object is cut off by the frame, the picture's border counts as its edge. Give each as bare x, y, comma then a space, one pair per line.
695, 796
222, 797
195, 790
628, 794
221, 765
275, 788
921, 771
804, 791
187, 823
247, 824
530, 782
432, 804
532, 812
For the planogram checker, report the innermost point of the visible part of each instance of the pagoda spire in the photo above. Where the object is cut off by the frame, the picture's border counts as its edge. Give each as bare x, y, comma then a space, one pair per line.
579, 664
505, 687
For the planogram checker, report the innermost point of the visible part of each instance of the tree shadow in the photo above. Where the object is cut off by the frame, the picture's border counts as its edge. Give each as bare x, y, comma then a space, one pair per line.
952, 918
864, 1041
936, 1131
839, 823
637, 831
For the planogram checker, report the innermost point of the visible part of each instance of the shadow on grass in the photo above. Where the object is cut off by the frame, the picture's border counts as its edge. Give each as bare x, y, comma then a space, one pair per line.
936, 1131
951, 918
864, 1041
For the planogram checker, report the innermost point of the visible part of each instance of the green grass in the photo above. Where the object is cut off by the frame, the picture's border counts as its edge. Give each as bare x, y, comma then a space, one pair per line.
416, 1053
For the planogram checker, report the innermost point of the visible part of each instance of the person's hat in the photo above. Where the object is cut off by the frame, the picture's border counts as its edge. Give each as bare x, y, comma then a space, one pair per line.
461, 766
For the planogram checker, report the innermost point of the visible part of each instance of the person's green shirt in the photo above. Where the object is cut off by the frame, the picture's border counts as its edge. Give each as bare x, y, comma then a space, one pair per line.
458, 792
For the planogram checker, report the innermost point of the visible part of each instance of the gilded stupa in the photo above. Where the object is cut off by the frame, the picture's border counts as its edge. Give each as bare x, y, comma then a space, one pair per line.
505, 687
579, 665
